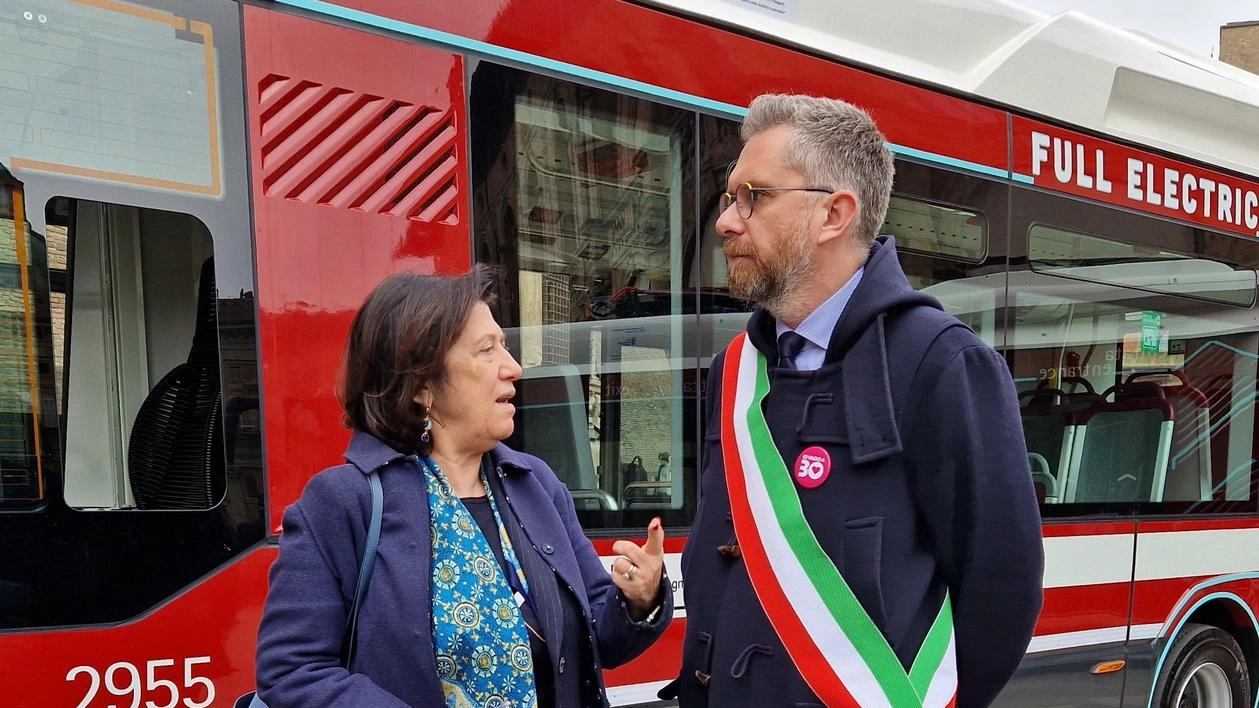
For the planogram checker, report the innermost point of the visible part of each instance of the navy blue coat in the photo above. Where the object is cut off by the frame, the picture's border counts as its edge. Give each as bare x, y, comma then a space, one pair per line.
930, 489
312, 585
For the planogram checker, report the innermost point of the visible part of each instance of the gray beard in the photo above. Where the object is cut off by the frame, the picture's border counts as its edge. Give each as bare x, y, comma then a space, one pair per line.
786, 289
776, 292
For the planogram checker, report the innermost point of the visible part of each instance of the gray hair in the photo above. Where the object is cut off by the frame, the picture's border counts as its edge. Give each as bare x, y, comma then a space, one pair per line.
836, 145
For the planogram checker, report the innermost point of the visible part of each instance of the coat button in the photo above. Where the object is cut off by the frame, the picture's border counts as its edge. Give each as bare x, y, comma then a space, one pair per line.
561, 666
548, 548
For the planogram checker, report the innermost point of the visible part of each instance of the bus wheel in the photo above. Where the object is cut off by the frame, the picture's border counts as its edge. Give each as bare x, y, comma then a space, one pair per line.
1205, 669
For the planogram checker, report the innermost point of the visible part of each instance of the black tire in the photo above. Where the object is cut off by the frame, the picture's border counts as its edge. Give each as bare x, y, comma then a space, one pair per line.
1205, 668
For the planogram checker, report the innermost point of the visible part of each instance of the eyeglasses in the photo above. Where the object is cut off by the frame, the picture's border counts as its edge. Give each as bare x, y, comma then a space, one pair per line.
745, 196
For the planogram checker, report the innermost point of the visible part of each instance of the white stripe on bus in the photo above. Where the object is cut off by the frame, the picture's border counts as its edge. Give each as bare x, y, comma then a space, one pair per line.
1073, 561
633, 693
1092, 637
1188, 554
1078, 561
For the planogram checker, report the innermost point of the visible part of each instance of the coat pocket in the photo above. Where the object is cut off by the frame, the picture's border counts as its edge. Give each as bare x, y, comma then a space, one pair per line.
863, 565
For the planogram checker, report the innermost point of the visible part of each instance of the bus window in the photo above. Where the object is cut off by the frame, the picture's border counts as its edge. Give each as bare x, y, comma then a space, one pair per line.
1068, 254
141, 398
941, 221
1134, 347
583, 196
938, 229
23, 356
116, 92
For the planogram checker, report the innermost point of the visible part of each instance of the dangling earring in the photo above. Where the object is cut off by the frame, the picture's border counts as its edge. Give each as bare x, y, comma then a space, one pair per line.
427, 437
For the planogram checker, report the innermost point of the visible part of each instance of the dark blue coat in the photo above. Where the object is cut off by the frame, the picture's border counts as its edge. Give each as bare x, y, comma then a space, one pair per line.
313, 580
929, 489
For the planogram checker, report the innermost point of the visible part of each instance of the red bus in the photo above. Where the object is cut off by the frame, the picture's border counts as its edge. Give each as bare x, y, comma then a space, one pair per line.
195, 197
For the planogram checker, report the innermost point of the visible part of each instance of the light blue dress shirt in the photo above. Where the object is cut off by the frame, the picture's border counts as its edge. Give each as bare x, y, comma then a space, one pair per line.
818, 326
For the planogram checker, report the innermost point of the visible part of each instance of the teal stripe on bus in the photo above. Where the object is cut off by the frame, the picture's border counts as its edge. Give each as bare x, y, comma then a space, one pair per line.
726, 110
455, 41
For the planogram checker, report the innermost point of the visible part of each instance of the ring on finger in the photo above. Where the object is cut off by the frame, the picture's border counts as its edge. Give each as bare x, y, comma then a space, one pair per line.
612, 566
629, 574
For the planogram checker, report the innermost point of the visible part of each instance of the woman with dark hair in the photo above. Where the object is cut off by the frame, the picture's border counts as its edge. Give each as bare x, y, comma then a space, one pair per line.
485, 592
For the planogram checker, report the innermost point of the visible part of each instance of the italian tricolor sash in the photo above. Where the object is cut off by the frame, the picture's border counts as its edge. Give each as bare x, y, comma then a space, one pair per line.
834, 644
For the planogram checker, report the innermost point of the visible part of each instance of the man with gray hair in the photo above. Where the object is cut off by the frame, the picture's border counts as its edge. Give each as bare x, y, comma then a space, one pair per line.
868, 534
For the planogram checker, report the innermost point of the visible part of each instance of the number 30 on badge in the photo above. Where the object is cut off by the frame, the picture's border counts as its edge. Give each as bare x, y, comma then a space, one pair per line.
813, 466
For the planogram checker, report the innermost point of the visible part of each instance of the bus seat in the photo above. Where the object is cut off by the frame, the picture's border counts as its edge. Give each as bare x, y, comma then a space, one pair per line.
647, 495
175, 454
1043, 480
1048, 430
1081, 403
1074, 385
593, 500
1121, 447
1189, 469
1075, 392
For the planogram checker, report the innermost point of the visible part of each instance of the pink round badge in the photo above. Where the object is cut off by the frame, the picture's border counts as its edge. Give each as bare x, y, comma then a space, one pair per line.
813, 466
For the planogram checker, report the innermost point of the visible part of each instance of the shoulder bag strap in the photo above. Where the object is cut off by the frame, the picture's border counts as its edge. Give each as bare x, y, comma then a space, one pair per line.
364, 576
365, 570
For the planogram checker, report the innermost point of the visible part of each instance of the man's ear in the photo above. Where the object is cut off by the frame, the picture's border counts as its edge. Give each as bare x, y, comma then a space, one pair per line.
841, 217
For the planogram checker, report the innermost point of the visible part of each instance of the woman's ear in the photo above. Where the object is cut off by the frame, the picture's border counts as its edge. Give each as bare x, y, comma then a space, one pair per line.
424, 398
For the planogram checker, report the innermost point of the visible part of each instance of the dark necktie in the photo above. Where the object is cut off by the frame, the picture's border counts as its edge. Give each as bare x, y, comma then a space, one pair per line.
790, 345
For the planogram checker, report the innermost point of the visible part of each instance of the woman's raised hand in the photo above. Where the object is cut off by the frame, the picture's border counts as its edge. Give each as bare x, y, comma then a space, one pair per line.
637, 570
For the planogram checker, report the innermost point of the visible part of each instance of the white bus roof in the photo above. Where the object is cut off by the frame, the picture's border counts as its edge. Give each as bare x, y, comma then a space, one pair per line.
1069, 66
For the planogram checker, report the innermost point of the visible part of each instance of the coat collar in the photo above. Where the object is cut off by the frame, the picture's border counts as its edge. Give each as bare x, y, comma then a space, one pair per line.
507, 459
866, 383
367, 452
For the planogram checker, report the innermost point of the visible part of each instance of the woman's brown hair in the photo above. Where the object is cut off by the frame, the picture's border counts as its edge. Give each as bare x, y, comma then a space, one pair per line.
397, 347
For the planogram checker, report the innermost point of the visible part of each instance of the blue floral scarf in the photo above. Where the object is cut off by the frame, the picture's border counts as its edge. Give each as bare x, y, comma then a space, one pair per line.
479, 635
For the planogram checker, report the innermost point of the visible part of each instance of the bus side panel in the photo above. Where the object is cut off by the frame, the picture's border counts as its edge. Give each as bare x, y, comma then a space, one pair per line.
359, 171
715, 64
1084, 621
1190, 570
197, 650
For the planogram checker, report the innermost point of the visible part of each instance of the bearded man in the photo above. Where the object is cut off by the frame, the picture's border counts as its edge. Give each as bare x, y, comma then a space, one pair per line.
868, 533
